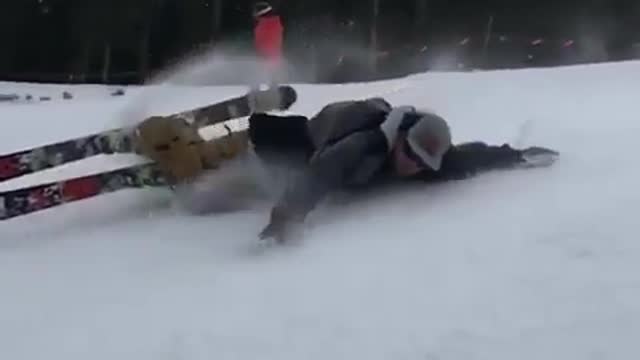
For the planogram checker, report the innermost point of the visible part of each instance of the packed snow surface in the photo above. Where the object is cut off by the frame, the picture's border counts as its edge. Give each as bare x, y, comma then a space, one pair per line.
526, 264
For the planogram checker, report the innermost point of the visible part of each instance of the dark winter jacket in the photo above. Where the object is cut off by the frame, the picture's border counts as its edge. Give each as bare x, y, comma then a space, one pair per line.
347, 144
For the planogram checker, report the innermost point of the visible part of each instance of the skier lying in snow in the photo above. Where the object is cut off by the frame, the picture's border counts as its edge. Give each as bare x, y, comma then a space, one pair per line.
357, 143
346, 145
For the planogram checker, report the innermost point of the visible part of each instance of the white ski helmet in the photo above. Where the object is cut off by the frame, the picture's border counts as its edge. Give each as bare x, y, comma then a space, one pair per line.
429, 138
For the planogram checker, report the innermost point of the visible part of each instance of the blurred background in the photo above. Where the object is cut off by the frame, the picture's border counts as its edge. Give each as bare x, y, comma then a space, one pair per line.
334, 41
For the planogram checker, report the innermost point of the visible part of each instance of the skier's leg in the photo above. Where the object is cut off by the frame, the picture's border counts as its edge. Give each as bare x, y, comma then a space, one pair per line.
173, 145
281, 138
283, 148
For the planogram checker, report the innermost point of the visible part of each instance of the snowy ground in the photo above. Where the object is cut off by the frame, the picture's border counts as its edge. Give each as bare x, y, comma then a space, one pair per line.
539, 264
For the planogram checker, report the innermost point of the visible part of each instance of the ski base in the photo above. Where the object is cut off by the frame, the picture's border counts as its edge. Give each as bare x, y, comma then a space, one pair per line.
36, 198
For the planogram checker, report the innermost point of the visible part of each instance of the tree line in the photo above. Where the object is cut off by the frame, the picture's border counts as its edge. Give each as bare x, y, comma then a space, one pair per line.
127, 40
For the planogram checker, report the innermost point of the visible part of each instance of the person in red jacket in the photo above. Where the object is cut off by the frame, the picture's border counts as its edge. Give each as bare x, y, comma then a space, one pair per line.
268, 34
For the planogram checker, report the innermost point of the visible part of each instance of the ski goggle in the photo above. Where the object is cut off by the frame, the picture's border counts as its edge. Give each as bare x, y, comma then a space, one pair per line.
425, 154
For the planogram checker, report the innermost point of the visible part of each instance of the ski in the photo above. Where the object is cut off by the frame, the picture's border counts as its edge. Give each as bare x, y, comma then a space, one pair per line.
49, 156
123, 140
15, 203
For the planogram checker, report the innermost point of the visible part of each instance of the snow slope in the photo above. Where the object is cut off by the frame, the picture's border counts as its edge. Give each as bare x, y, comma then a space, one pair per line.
538, 264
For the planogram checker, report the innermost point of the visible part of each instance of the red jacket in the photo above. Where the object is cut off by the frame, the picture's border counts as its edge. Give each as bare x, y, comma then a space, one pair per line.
268, 37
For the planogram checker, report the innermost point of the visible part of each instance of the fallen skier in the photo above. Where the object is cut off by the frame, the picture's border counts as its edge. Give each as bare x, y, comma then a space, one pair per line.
347, 145
363, 143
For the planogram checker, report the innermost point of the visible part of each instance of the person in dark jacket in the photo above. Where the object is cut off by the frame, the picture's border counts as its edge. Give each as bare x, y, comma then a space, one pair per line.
353, 144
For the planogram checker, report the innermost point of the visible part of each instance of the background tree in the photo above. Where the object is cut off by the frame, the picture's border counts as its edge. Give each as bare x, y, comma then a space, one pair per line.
421, 15
11, 14
124, 40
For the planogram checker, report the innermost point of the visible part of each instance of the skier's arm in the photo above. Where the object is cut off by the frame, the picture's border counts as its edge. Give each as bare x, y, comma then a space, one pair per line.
468, 159
359, 155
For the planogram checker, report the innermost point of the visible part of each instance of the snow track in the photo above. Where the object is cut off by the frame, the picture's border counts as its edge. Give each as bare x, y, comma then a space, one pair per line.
527, 264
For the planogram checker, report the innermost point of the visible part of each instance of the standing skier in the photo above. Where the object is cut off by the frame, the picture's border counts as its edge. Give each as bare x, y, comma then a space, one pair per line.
268, 36
359, 143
